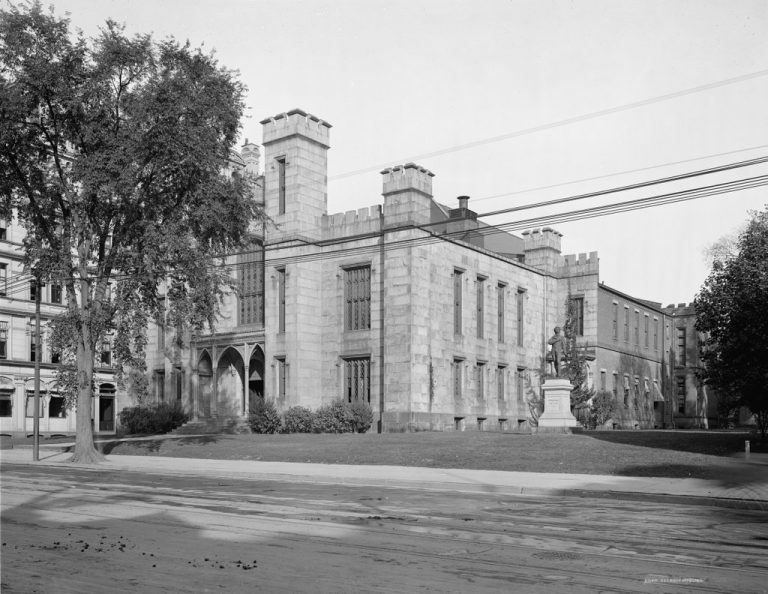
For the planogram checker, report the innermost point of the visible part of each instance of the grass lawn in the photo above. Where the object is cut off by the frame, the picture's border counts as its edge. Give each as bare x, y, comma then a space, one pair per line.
699, 454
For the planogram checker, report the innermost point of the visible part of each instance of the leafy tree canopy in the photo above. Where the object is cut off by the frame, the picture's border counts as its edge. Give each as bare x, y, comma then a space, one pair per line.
113, 155
732, 309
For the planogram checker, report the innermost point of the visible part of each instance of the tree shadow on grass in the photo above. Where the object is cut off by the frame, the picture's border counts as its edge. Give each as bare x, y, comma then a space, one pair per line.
734, 475
141, 446
711, 443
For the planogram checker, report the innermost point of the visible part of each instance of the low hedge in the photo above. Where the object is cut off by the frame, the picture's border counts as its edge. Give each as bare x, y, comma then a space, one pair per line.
154, 418
336, 417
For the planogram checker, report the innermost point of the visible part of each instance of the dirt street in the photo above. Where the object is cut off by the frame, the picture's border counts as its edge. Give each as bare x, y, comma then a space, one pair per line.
74, 530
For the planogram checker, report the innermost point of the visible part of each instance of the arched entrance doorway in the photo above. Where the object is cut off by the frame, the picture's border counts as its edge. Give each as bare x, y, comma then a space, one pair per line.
205, 385
256, 376
230, 373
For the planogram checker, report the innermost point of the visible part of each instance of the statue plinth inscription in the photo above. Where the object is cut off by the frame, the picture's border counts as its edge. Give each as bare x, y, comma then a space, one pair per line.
557, 404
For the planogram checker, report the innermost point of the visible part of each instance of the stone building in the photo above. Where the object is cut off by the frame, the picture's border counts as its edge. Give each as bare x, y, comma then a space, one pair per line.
692, 402
18, 350
436, 319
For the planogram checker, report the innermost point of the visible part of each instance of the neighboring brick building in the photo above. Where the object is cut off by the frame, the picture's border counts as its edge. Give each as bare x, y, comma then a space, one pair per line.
437, 320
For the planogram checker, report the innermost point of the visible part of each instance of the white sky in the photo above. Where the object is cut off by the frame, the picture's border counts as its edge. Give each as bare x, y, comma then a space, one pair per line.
402, 78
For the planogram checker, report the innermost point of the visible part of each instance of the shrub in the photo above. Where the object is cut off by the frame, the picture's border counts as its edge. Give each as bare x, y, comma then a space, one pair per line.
335, 417
600, 409
154, 418
298, 419
263, 417
362, 416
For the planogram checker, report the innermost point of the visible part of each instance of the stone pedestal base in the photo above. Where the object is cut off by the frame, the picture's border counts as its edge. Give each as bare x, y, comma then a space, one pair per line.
557, 404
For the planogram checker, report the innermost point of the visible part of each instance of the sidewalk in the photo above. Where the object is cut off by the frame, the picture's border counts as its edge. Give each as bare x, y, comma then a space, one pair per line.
748, 491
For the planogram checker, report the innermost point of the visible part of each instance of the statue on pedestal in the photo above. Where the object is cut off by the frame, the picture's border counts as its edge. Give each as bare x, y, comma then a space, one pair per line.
557, 353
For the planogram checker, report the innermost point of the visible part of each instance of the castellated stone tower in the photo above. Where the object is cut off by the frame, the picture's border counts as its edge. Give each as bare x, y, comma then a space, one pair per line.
296, 174
407, 191
251, 157
542, 249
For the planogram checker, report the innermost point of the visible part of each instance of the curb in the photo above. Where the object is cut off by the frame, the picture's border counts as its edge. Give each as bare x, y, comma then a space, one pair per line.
406, 484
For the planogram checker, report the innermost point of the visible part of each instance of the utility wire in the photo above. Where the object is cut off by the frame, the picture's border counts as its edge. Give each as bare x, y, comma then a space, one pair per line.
615, 173
564, 217
558, 123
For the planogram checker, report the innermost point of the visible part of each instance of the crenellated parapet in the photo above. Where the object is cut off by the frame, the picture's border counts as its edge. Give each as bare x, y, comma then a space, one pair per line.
295, 123
352, 222
407, 191
407, 178
681, 309
579, 265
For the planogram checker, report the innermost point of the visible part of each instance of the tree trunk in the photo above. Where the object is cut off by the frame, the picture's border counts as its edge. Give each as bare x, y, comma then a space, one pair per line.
85, 450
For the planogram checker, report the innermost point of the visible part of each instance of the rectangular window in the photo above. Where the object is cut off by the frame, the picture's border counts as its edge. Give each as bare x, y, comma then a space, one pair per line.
357, 298
106, 352
56, 293
457, 378
615, 384
480, 306
160, 385
646, 331
681, 394
626, 324
480, 380
6, 404
3, 233
282, 377
655, 334
520, 316
500, 305
577, 312
458, 276
3, 279
500, 387
626, 390
615, 321
681, 346
32, 345
31, 405
637, 328
32, 290
521, 392
280, 185
602, 380
357, 379
281, 300
57, 407
3, 339
252, 287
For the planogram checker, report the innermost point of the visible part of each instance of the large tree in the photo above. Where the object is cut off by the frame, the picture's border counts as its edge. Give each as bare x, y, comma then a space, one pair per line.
113, 155
732, 311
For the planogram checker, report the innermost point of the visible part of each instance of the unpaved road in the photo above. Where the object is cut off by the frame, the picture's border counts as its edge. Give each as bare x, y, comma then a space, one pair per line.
98, 531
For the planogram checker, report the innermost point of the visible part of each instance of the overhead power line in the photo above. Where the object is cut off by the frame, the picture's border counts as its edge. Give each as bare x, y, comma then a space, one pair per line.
616, 173
556, 124
562, 217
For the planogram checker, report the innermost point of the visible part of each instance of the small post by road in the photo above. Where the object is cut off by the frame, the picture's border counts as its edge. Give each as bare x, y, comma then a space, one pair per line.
746, 449
38, 353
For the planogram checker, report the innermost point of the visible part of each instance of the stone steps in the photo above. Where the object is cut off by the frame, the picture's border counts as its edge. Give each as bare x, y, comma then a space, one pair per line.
213, 425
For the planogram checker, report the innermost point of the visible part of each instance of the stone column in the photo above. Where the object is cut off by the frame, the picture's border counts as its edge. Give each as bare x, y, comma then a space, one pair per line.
246, 380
